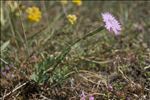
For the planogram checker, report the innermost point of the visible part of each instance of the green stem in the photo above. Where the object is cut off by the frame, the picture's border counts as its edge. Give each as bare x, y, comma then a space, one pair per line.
67, 50
25, 43
88, 35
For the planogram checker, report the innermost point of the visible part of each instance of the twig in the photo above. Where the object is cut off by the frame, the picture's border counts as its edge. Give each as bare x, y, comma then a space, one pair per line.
94, 61
123, 75
100, 94
44, 97
15, 89
4, 61
86, 79
4, 94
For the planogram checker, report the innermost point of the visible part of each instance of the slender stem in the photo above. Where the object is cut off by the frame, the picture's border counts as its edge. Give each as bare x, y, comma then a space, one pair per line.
47, 16
88, 35
23, 29
67, 50
13, 30
64, 10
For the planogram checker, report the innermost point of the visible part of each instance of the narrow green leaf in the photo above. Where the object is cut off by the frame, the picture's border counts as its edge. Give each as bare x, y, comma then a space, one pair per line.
5, 45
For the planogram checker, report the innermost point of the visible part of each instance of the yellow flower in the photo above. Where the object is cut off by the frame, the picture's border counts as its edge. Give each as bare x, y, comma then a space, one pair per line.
34, 14
72, 18
64, 2
77, 2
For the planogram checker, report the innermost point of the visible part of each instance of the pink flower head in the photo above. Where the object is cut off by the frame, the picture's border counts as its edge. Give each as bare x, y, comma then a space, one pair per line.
91, 98
111, 23
110, 88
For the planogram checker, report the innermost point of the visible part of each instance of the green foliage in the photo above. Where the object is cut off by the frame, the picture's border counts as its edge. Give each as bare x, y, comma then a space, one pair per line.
59, 75
4, 46
39, 76
49, 65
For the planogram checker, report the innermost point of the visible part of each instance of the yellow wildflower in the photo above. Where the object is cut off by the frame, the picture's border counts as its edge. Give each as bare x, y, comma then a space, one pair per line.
64, 2
72, 18
34, 14
77, 2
